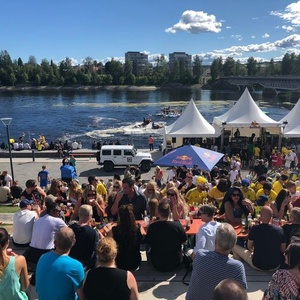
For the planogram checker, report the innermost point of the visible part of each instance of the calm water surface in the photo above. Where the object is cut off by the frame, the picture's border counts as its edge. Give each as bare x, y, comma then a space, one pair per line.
110, 115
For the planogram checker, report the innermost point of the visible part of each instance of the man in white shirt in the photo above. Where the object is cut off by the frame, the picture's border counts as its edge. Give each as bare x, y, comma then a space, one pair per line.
172, 174
234, 174
206, 236
44, 229
23, 224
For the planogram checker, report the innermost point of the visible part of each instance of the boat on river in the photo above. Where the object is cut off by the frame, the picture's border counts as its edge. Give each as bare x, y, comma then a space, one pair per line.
170, 112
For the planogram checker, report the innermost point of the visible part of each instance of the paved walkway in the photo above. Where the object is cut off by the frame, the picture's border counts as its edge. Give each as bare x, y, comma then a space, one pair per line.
152, 284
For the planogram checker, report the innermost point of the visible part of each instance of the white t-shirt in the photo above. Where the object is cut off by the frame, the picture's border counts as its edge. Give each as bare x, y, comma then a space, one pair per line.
206, 236
233, 174
22, 226
44, 230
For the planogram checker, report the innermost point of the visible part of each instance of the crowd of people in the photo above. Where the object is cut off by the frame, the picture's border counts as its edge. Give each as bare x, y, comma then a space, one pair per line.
61, 227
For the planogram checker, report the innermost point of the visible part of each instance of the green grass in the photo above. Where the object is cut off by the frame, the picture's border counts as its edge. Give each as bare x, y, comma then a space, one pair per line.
9, 209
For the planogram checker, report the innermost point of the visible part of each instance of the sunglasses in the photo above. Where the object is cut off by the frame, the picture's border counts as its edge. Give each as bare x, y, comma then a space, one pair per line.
150, 189
171, 194
59, 186
116, 187
235, 195
91, 194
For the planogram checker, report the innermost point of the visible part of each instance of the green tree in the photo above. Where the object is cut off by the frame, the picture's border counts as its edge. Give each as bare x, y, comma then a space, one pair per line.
116, 70
129, 78
252, 69
240, 69
197, 69
229, 67
216, 68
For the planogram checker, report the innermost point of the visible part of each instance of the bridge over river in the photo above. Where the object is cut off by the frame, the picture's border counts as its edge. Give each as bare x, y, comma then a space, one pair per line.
290, 83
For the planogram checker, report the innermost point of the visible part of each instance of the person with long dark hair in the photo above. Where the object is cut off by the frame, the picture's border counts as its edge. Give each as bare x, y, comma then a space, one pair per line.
235, 206
285, 283
128, 236
13, 272
282, 204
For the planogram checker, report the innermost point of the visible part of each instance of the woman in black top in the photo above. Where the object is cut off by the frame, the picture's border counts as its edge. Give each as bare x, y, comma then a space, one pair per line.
107, 281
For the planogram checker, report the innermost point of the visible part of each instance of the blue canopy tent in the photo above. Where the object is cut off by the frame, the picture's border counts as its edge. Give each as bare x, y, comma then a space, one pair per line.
189, 156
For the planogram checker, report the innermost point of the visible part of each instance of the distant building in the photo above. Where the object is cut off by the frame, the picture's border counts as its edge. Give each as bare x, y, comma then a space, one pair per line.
139, 62
182, 58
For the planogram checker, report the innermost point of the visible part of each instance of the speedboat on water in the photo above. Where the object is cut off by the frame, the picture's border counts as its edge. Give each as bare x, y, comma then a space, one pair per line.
170, 112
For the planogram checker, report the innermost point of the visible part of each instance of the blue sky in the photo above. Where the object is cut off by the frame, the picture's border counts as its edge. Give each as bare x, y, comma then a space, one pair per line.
104, 29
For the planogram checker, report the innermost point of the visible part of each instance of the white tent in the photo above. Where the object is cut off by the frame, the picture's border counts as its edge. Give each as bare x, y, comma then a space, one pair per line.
190, 124
290, 124
245, 113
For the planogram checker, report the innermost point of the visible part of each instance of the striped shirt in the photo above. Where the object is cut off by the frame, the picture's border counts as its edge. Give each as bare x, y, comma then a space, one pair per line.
209, 268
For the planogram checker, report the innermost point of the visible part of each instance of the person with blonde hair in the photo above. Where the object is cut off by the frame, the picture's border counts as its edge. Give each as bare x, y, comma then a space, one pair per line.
178, 206
75, 191
91, 197
151, 191
13, 271
107, 281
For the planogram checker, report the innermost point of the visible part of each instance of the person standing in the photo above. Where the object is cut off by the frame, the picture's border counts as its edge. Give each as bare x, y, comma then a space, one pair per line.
211, 267
67, 172
43, 177
13, 272
130, 196
151, 142
59, 276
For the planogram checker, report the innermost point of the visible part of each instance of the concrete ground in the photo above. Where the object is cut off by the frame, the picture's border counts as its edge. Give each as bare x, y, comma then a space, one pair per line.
152, 284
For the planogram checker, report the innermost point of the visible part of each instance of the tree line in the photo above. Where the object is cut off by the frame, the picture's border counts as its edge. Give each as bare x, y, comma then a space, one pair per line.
113, 72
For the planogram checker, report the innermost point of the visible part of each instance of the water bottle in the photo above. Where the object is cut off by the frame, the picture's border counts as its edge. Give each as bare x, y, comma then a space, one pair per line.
250, 220
146, 218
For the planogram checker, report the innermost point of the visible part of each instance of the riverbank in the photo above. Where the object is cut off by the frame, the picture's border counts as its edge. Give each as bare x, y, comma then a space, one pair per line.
27, 88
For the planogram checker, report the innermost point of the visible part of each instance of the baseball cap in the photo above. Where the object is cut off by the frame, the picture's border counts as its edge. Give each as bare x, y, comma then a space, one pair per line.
201, 180
245, 182
25, 202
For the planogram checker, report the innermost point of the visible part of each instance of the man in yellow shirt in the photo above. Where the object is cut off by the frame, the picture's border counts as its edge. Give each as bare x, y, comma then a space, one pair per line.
197, 194
267, 191
247, 191
217, 193
259, 184
279, 184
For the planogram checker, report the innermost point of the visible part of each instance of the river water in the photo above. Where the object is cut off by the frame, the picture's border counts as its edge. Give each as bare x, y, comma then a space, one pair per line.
111, 115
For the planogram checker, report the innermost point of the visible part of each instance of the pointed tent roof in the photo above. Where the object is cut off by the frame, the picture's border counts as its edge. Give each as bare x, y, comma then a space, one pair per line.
245, 112
292, 128
191, 124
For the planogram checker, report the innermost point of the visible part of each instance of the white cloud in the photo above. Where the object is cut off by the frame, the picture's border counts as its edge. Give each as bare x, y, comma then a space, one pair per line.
228, 27
290, 14
288, 28
253, 37
196, 22
237, 37
265, 36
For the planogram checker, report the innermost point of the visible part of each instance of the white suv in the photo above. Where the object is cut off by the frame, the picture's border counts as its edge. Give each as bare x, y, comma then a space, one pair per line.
122, 155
